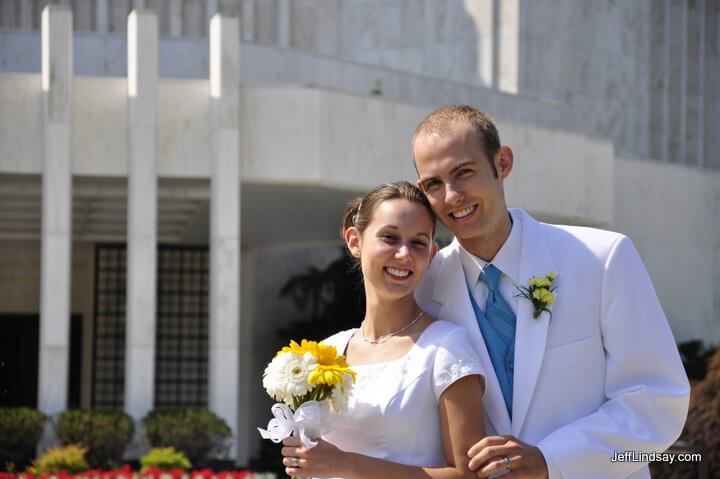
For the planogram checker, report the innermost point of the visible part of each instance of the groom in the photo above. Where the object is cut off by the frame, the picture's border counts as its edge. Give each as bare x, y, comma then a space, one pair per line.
597, 372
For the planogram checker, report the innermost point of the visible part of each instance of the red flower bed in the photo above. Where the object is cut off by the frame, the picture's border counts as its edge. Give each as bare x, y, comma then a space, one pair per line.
126, 473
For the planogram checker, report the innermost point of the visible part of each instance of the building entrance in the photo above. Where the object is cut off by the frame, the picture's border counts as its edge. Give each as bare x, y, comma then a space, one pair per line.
19, 342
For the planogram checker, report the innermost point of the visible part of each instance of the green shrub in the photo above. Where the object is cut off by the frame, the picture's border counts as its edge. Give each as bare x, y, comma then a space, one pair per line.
20, 431
70, 459
195, 432
103, 432
164, 458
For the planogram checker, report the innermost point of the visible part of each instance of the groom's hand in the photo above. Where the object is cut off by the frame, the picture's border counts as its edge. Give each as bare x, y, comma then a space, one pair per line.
488, 456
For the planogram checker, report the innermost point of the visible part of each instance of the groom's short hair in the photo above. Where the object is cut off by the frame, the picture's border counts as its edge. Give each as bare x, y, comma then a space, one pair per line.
441, 119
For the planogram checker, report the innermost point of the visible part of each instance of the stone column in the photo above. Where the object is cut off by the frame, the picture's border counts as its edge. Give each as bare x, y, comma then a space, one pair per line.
102, 17
56, 209
248, 20
483, 14
283, 23
26, 15
224, 334
507, 52
142, 52
175, 14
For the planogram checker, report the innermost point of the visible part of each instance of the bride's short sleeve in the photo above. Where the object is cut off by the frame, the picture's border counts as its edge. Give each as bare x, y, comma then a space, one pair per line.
455, 359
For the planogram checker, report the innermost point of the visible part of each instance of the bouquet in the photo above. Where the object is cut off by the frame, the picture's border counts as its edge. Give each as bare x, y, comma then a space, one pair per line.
309, 380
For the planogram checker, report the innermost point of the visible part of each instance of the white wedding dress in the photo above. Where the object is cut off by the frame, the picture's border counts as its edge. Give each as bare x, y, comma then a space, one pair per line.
393, 412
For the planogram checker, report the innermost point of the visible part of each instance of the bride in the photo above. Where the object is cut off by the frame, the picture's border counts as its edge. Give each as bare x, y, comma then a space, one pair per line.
416, 406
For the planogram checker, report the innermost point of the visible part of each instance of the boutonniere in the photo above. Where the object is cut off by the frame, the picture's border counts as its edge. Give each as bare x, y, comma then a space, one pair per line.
540, 292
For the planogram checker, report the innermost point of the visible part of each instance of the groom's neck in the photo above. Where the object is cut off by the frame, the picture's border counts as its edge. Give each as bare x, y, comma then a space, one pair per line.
486, 245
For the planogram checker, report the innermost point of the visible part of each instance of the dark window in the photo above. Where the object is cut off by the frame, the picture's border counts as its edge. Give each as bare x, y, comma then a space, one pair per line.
182, 327
181, 343
109, 330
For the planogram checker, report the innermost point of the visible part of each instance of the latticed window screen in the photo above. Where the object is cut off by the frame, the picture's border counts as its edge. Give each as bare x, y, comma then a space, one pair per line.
109, 330
181, 327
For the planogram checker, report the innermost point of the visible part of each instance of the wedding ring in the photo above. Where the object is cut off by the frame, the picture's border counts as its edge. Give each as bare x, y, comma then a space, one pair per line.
508, 465
294, 461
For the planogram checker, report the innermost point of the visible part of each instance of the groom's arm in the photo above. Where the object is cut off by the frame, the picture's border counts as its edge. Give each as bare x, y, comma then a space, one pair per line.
645, 384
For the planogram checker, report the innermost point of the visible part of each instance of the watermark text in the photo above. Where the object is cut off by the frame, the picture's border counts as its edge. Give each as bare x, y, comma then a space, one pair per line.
669, 457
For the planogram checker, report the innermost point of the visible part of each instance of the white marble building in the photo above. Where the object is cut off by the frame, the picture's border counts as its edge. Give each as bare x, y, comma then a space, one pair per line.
233, 142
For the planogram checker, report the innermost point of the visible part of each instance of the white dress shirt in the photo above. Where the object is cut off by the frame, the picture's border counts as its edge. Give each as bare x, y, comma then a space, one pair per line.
507, 260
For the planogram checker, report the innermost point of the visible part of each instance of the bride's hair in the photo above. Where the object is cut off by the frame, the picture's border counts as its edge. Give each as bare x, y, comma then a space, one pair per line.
359, 210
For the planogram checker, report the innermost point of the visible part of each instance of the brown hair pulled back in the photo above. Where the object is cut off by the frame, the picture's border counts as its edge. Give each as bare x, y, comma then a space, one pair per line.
359, 210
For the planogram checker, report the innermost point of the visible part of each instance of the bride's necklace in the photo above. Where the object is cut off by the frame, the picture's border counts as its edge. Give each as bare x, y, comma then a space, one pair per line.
385, 337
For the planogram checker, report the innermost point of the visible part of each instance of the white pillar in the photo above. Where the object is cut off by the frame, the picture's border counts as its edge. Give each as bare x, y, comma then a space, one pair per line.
508, 46
682, 153
483, 14
26, 15
56, 209
224, 334
283, 23
176, 19
102, 17
142, 50
701, 12
248, 20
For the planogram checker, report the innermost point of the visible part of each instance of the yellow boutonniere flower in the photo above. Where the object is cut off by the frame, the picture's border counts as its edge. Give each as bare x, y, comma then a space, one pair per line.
540, 292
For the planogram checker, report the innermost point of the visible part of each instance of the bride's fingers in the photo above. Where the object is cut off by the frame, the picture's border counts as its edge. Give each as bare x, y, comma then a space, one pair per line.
291, 441
294, 462
293, 472
294, 467
292, 451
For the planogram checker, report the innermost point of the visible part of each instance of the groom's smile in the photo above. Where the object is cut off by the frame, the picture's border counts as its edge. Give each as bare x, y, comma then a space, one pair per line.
463, 214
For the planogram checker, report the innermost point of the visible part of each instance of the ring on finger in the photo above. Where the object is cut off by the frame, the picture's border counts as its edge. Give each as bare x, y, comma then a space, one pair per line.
508, 464
294, 462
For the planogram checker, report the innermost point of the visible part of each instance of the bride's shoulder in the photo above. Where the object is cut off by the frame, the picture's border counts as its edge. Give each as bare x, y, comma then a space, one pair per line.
443, 327
446, 331
339, 339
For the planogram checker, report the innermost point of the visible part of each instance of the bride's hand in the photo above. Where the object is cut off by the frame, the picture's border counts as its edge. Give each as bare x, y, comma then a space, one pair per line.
323, 460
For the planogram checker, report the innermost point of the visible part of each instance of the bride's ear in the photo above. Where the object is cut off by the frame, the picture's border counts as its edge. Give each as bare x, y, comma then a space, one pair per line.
434, 251
352, 241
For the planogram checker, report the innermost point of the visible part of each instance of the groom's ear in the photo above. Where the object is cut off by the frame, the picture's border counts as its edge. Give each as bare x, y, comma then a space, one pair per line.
504, 160
434, 251
352, 241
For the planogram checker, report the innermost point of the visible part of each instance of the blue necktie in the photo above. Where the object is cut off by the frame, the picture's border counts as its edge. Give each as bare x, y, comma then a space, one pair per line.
497, 325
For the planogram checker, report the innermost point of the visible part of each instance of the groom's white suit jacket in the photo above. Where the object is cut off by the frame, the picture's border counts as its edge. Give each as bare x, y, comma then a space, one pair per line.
602, 375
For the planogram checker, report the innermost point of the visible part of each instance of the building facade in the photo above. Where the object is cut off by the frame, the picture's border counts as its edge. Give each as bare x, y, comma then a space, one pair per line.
166, 165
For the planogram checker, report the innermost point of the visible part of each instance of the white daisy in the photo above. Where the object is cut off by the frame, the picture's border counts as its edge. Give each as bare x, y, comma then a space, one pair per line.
287, 375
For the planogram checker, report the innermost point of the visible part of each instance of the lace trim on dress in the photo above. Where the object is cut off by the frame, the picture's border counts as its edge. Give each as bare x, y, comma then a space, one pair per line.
455, 371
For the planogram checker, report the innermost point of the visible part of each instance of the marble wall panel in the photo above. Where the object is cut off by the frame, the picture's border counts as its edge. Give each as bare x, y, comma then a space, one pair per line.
703, 198
183, 128
21, 148
360, 151
99, 127
118, 11
266, 26
195, 20
315, 26
279, 146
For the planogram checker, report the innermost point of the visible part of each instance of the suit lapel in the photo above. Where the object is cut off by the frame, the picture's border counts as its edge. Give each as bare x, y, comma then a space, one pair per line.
531, 333
450, 290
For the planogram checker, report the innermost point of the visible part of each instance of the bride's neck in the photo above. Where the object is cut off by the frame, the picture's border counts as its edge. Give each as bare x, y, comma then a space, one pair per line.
383, 316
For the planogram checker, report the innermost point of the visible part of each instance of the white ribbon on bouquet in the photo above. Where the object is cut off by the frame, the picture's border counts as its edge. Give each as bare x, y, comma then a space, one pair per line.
308, 422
